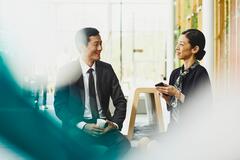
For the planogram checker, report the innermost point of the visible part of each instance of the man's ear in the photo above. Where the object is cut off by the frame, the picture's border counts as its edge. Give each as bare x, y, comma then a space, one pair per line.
82, 48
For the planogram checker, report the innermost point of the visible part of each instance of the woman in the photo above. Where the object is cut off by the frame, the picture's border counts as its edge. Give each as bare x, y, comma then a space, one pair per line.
187, 81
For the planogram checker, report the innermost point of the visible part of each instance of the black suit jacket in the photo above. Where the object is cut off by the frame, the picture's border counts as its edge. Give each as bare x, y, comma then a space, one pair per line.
70, 96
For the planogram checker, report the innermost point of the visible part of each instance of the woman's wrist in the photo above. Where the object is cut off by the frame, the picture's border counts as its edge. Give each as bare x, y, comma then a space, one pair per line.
179, 96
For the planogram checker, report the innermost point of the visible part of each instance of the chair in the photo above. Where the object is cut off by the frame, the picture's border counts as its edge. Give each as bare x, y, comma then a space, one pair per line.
131, 113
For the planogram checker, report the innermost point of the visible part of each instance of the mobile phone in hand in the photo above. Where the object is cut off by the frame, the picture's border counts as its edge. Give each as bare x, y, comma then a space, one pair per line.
161, 84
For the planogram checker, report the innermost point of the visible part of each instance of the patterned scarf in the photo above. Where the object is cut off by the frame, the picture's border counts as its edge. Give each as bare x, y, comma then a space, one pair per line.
174, 102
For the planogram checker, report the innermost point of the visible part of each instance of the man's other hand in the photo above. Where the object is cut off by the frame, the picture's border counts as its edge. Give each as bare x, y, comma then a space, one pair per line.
110, 126
93, 130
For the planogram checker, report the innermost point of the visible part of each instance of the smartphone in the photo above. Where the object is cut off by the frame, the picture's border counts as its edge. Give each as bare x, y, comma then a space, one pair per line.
159, 84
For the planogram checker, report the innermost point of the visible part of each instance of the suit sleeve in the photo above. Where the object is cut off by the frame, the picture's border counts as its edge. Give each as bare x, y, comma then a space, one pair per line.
61, 102
119, 101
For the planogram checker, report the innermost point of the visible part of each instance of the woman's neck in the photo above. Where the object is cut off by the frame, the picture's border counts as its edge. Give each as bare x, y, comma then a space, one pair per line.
188, 63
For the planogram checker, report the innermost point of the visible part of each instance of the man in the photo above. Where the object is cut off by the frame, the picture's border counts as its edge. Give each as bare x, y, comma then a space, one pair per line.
82, 96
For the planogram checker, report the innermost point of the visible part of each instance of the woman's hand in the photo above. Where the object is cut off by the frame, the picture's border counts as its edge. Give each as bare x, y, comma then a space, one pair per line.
163, 93
166, 97
169, 90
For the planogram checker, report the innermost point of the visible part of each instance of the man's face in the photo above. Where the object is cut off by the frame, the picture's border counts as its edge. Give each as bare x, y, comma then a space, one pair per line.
93, 49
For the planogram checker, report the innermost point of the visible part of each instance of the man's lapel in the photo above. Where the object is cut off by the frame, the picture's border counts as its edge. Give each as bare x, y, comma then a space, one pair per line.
82, 89
99, 73
80, 84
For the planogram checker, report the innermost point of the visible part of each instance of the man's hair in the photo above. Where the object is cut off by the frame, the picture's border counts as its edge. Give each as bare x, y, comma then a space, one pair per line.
82, 36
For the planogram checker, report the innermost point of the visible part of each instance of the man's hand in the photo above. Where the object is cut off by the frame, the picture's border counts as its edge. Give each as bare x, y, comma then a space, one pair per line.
110, 126
93, 130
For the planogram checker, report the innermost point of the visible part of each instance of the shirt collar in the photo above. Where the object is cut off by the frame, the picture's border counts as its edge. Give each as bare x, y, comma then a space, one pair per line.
194, 65
85, 67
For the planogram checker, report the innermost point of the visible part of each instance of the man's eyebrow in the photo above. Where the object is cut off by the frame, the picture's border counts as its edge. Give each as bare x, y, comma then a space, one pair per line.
96, 41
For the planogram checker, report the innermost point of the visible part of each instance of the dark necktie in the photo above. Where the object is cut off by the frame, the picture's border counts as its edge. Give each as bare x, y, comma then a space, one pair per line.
92, 95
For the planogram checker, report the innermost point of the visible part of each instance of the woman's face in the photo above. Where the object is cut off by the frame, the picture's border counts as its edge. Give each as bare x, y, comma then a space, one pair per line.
184, 50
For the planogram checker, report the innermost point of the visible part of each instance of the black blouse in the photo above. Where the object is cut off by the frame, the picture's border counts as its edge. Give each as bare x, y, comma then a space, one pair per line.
195, 82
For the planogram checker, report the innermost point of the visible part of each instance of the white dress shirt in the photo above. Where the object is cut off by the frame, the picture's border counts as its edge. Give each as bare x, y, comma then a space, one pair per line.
87, 110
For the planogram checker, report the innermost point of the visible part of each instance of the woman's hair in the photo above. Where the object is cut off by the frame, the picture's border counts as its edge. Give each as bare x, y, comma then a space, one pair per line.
196, 38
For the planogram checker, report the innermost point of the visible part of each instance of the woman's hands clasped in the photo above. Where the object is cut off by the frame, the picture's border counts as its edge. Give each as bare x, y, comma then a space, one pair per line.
168, 90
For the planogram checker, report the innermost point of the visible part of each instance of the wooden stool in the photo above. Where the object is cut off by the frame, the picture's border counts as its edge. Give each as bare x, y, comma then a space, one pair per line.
157, 110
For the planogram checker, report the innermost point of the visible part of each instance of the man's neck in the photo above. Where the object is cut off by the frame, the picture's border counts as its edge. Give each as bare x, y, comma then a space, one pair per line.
88, 62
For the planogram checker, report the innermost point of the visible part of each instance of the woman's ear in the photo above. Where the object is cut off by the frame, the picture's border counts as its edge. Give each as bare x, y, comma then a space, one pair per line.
195, 49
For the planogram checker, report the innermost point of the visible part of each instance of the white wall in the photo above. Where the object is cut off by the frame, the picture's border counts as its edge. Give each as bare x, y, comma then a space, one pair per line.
208, 30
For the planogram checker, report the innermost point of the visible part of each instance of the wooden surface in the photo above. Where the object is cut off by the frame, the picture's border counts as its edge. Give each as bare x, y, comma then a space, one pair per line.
156, 108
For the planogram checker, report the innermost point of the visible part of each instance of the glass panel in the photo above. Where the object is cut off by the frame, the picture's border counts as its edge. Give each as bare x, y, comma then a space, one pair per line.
144, 43
134, 38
